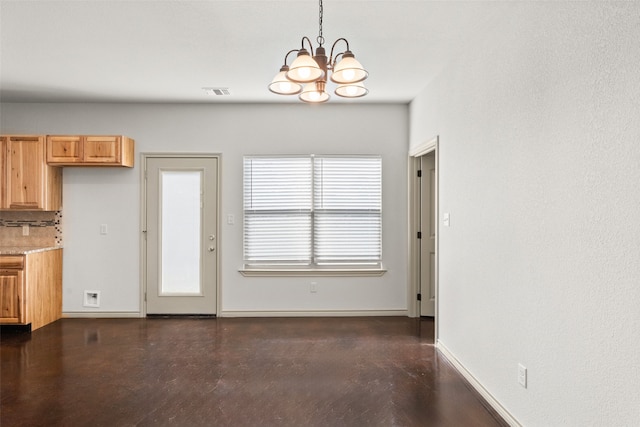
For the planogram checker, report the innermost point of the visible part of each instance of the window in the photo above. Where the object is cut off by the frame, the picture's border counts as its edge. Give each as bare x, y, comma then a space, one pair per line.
313, 211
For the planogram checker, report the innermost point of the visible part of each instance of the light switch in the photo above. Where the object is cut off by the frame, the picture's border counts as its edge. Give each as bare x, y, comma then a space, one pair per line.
230, 219
445, 219
103, 228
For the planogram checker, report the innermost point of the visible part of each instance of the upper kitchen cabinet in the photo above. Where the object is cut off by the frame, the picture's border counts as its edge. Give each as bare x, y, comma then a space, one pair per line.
28, 183
3, 172
80, 150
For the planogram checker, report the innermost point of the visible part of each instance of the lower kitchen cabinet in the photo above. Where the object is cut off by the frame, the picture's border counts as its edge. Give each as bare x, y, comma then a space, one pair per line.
31, 288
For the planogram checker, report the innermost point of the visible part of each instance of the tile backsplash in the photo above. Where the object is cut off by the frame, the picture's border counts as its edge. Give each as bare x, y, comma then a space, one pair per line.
45, 228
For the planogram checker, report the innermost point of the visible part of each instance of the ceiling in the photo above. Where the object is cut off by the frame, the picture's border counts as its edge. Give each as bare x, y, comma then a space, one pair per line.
169, 50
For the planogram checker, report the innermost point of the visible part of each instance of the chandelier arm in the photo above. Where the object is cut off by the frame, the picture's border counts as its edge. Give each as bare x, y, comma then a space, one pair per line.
335, 60
288, 53
310, 45
331, 59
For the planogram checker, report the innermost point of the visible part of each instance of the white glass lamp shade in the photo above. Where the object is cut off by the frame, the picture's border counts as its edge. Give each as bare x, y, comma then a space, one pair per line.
304, 69
354, 90
314, 93
348, 70
283, 86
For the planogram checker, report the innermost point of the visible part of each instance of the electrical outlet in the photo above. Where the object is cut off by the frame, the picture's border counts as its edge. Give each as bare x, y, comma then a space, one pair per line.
313, 287
25, 230
522, 375
103, 229
91, 299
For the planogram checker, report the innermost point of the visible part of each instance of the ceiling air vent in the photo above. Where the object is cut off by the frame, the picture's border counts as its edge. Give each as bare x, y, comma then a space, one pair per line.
217, 91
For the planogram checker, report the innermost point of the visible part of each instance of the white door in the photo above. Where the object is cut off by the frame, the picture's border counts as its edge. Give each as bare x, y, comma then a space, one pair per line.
428, 235
181, 235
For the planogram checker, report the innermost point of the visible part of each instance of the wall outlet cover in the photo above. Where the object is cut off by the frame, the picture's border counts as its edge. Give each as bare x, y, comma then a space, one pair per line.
91, 299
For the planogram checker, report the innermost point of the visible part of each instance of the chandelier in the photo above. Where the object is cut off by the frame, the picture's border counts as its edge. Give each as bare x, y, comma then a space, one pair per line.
307, 75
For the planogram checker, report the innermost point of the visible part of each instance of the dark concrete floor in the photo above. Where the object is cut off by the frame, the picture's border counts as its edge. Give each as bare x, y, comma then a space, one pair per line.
365, 371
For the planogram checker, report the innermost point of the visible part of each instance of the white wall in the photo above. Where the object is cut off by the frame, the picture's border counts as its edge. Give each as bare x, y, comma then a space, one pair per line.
539, 126
94, 196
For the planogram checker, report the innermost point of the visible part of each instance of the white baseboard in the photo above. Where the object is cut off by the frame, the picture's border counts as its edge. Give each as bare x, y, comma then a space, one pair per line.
101, 314
313, 313
245, 313
510, 419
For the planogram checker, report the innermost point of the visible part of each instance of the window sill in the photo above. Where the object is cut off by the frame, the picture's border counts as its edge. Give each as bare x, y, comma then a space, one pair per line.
320, 272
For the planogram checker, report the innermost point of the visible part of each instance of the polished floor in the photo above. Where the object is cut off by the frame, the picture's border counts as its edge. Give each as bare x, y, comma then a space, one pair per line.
234, 372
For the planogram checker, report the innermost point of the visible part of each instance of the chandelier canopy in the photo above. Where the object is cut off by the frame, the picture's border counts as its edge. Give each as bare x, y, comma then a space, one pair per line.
308, 73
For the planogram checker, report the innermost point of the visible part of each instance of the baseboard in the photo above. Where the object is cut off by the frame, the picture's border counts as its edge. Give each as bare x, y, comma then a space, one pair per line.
510, 419
101, 314
248, 313
313, 313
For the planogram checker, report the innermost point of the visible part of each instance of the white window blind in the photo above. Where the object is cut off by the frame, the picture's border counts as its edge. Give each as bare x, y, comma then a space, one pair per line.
347, 210
313, 210
277, 210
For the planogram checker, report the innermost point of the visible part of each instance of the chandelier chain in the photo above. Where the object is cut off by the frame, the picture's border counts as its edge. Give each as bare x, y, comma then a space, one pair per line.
320, 38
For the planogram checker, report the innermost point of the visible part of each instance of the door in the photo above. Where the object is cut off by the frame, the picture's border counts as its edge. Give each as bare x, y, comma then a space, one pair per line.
12, 302
25, 178
66, 149
428, 235
102, 149
181, 235
3, 172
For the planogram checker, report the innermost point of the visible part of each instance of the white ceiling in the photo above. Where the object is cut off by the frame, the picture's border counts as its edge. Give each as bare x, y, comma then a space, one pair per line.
167, 51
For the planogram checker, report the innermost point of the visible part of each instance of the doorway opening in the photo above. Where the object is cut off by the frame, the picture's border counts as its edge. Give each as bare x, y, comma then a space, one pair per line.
423, 231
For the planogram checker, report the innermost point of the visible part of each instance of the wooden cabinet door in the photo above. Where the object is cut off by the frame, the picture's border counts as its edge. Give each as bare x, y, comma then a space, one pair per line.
25, 189
12, 304
3, 173
102, 149
64, 149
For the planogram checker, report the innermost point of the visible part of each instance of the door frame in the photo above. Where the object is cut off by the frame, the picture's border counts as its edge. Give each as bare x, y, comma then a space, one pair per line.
427, 147
143, 221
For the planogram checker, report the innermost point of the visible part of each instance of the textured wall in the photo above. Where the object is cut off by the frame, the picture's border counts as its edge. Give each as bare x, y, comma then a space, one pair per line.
539, 125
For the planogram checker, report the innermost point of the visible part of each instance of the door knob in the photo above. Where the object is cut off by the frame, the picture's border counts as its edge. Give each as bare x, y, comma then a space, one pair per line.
211, 249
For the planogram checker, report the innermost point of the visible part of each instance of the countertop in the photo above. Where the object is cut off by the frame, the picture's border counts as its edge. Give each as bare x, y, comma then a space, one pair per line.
23, 250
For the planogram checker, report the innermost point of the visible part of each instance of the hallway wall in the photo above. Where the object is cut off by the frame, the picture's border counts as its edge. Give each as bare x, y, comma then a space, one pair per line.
539, 126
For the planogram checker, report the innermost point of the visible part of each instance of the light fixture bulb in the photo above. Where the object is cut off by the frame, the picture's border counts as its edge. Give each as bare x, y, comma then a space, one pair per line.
304, 72
284, 86
349, 74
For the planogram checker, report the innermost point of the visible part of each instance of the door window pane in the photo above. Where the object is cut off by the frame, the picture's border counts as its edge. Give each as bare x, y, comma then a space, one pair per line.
181, 232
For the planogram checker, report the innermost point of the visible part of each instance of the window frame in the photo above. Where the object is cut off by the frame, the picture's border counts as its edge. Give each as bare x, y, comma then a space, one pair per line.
313, 267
